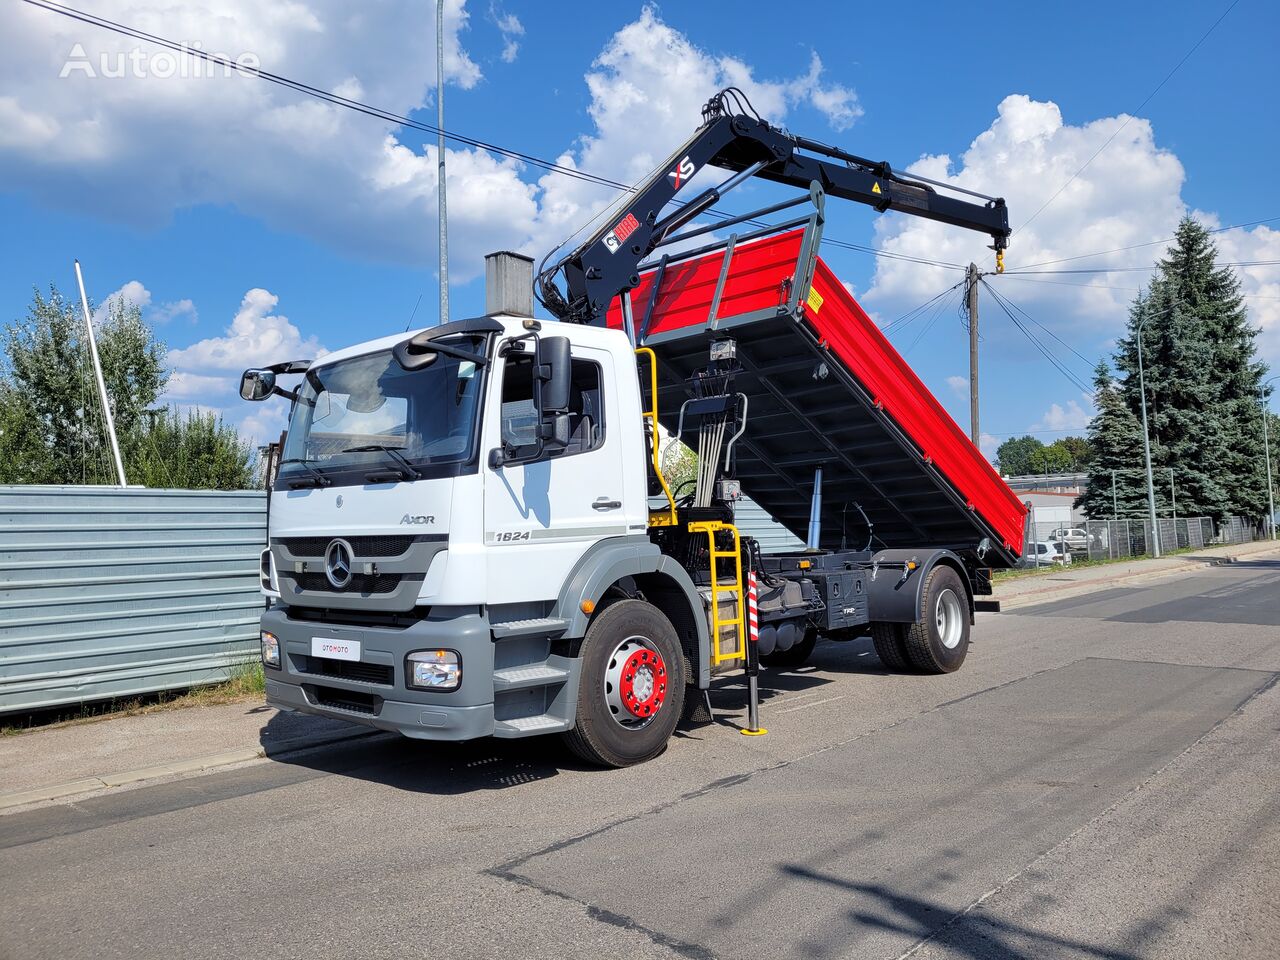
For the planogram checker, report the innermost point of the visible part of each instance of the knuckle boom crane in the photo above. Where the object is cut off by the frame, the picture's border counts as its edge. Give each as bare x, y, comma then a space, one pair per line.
734, 137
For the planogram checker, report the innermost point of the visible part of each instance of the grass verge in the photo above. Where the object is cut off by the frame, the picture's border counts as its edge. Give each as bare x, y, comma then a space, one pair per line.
1002, 575
245, 683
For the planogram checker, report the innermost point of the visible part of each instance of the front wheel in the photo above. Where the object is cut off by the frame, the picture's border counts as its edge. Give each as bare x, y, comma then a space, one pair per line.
939, 642
631, 689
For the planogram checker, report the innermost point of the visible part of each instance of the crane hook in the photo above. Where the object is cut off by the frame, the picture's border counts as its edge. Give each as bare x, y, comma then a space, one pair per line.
1000, 261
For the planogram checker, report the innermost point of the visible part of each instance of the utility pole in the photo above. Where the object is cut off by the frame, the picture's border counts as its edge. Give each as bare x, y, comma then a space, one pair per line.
444, 210
973, 352
102, 385
1146, 447
1266, 452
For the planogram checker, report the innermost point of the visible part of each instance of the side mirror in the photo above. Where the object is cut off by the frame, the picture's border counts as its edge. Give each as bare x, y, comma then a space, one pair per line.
257, 384
555, 373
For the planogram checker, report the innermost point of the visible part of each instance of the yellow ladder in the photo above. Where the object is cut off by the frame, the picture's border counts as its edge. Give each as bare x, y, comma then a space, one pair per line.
718, 622
657, 518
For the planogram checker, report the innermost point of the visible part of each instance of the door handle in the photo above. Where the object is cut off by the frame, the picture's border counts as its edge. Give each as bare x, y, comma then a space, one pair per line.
604, 503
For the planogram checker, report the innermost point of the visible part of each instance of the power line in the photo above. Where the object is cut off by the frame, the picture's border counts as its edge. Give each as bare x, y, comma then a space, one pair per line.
911, 314
1146, 269
391, 117
1048, 354
1040, 325
1135, 246
1130, 117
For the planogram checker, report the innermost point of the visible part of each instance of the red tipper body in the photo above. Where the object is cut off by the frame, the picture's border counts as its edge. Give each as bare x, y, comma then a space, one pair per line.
867, 419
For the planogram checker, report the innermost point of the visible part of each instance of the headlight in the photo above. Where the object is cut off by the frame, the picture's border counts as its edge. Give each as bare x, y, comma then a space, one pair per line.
433, 670
270, 650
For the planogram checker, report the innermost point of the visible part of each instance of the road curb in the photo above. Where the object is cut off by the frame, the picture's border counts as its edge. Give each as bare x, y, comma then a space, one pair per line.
211, 761
1184, 566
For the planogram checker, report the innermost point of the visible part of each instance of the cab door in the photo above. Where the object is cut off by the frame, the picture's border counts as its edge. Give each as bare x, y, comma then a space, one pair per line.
541, 516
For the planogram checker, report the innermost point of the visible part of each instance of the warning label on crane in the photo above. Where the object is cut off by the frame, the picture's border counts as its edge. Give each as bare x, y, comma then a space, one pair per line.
815, 299
625, 228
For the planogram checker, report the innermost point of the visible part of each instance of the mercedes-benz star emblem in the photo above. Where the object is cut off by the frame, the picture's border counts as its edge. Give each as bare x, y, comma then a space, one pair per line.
337, 563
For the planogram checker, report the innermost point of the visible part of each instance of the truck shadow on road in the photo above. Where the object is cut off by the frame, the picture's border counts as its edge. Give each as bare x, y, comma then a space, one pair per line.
975, 934
490, 764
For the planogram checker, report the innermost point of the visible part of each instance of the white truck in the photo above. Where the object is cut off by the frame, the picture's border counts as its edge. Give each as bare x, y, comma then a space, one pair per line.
461, 538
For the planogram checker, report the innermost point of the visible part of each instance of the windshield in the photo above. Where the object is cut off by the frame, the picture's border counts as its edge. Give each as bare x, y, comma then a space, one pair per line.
348, 411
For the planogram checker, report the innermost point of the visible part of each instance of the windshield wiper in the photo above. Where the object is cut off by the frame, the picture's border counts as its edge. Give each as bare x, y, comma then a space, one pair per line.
317, 478
394, 452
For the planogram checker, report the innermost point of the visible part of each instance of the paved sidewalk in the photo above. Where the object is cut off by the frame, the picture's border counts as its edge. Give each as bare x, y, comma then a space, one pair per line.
76, 759
1069, 581
81, 757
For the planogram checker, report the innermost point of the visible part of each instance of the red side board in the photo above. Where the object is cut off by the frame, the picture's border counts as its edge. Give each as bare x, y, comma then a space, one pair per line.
756, 281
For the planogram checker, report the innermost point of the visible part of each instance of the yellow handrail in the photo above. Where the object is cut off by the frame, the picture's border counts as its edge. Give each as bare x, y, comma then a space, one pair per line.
739, 651
657, 518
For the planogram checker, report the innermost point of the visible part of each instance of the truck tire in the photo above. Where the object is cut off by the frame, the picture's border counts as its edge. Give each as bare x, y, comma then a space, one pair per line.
795, 655
939, 642
632, 686
890, 646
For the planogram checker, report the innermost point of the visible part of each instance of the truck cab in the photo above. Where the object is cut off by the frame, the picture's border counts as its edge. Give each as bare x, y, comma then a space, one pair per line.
435, 536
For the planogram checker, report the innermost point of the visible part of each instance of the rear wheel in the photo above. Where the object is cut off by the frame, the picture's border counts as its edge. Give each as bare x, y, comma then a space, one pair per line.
890, 645
795, 655
940, 641
631, 690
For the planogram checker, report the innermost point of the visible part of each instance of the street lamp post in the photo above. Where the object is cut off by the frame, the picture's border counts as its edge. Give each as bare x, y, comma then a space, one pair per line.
1146, 447
1266, 453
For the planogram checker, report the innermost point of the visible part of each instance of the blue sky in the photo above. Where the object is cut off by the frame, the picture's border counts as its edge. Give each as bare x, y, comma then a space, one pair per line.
208, 199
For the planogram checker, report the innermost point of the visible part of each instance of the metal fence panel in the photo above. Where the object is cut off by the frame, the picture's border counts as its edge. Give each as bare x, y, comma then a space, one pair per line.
108, 592
1118, 539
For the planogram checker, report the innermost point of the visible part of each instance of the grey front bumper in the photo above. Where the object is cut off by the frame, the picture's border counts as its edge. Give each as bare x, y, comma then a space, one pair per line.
464, 714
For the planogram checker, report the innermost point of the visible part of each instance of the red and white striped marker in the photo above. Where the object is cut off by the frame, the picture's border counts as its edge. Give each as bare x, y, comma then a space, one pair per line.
753, 616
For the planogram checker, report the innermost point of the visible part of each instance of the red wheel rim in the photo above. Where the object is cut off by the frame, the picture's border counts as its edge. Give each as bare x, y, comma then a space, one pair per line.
642, 685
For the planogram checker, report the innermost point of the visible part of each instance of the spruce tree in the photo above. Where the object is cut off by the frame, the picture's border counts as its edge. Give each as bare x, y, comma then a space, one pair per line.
1114, 435
1183, 392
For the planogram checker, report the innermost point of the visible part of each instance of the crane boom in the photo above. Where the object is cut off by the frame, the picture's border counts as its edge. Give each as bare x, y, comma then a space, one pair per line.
733, 137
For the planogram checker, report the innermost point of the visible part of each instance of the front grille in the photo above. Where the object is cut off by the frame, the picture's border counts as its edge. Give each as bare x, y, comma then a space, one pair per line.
360, 583
384, 545
349, 670
366, 704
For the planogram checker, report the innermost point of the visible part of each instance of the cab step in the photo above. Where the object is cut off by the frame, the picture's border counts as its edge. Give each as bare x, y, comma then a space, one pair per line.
531, 675
540, 627
529, 726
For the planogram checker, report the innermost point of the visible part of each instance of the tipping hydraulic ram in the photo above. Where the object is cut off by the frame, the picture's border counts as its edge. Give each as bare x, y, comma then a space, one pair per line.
735, 138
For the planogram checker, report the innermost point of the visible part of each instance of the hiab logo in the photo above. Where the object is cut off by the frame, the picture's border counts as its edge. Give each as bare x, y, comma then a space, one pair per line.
683, 173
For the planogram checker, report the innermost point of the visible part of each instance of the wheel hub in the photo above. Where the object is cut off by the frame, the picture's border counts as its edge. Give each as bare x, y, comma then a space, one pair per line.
635, 682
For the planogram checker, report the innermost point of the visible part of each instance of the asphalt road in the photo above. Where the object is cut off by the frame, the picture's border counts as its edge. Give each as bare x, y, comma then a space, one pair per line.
1099, 780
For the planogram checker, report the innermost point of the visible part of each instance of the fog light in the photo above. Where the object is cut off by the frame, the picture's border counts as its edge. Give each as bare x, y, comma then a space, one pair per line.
270, 650
433, 670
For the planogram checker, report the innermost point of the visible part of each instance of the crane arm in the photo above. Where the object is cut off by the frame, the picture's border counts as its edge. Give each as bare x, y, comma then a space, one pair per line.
734, 138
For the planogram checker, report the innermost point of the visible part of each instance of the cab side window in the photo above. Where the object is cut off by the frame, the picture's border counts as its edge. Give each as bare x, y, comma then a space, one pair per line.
586, 410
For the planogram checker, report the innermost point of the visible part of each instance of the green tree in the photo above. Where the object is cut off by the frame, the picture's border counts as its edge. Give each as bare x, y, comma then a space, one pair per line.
52, 429
1114, 435
48, 395
1078, 449
197, 451
1020, 456
1199, 358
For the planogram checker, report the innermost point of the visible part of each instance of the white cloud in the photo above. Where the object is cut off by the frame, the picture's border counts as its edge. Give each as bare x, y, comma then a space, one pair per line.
167, 312
256, 336
137, 148
647, 86
511, 28
959, 385
1129, 194
988, 445
132, 293
1058, 418
206, 375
